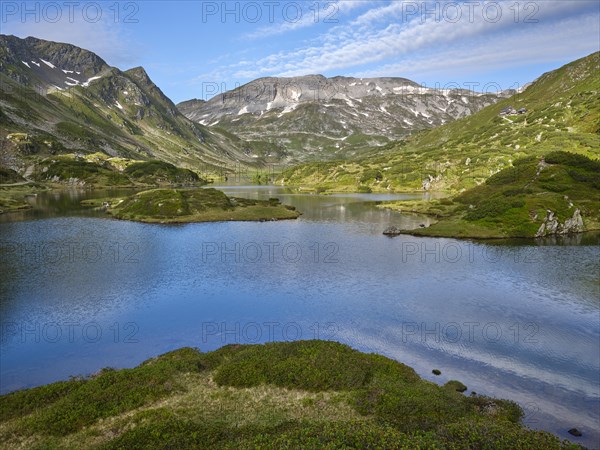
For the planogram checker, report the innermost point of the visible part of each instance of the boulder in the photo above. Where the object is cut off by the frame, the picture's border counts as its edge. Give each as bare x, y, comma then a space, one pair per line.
552, 226
392, 231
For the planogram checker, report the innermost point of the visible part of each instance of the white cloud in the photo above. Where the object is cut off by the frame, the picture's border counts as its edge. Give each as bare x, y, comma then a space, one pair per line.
382, 13
472, 42
308, 14
526, 46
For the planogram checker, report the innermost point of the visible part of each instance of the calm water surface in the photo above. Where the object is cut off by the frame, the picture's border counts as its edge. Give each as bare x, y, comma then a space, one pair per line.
516, 320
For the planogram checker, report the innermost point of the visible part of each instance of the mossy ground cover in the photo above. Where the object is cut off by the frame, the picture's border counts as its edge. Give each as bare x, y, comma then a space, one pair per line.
515, 201
95, 171
71, 169
160, 172
196, 205
9, 176
13, 198
307, 394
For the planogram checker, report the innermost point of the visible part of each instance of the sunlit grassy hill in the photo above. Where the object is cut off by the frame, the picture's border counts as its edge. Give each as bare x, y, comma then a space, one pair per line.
562, 113
556, 194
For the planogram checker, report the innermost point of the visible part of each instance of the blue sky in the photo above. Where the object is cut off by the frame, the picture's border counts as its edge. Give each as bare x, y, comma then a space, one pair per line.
193, 49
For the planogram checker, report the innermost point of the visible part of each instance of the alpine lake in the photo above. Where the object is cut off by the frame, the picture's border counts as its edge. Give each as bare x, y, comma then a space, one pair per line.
518, 319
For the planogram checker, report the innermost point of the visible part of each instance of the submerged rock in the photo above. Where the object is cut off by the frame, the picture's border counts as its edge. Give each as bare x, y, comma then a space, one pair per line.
392, 231
575, 432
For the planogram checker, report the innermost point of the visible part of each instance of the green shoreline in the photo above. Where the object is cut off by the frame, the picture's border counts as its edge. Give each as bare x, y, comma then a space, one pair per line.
557, 194
203, 204
178, 206
249, 215
13, 198
303, 394
461, 229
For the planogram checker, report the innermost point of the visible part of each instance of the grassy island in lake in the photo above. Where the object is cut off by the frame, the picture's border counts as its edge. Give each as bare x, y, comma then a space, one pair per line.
194, 205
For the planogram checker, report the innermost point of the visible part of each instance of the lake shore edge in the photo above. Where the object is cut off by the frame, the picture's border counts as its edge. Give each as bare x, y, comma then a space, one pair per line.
301, 393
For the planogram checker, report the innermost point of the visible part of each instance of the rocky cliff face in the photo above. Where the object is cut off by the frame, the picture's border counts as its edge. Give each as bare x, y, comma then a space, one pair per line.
48, 66
189, 106
552, 225
315, 113
68, 99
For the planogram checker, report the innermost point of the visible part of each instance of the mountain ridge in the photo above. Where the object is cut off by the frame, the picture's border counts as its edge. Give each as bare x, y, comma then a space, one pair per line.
562, 112
313, 116
66, 99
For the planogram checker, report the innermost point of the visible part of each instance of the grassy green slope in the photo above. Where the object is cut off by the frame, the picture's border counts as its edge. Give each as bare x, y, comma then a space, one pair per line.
563, 113
196, 205
9, 176
99, 170
121, 114
96, 170
516, 201
310, 394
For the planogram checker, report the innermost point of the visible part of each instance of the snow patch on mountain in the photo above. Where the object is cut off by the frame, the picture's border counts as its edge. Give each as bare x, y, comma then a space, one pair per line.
49, 64
295, 94
369, 106
288, 109
87, 83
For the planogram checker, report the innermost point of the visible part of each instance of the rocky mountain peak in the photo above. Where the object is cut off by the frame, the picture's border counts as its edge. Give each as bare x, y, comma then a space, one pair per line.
139, 74
308, 114
63, 56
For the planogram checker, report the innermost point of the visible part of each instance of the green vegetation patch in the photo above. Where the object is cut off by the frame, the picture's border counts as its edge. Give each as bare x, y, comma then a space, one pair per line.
14, 198
309, 394
67, 168
62, 408
197, 205
310, 366
161, 172
9, 176
515, 201
517, 198
159, 203
100, 170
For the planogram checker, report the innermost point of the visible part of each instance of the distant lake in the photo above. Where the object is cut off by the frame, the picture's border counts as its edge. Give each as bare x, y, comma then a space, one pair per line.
517, 319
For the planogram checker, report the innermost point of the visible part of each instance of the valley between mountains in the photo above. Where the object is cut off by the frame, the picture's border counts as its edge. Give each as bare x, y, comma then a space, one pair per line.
70, 120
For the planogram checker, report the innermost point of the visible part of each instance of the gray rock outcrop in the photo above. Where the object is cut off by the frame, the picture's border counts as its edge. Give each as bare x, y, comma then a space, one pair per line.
552, 226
